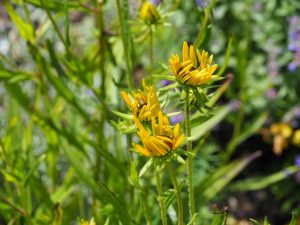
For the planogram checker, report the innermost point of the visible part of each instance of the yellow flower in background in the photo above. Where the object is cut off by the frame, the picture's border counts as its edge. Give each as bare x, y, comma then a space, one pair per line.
145, 104
163, 138
281, 132
196, 67
296, 138
84, 222
149, 13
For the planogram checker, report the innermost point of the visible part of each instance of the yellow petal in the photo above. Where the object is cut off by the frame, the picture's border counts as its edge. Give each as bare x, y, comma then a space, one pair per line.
142, 150
126, 98
185, 51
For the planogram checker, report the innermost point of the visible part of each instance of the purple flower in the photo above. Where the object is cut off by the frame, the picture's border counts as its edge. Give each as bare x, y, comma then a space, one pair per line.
292, 66
165, 82
202, 3
235, 105
271, 94
177, 119
294, 42
156, 2
297, 160
297, 112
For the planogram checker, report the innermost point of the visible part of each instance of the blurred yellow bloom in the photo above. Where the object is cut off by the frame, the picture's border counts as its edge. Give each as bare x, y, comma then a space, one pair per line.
195, 69
163, 138
84, 222
296, 137
145, 104
281, 132
148, 13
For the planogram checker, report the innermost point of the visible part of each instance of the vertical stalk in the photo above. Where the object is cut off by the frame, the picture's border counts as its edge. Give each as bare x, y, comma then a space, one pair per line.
163, 210
151, 54
243, 90
125, 33
189, 156
145, 207
178, 194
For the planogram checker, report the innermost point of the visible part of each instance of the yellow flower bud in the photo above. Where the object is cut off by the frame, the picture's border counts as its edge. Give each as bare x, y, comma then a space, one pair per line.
149, 13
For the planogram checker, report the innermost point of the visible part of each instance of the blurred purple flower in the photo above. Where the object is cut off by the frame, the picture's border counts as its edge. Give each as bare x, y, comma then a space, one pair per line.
257, 7
202, 3
235, 105
294, 42
165, 82
177, 119
297, 160
271, 94
297, 112
156, 2
292, 66
272, 63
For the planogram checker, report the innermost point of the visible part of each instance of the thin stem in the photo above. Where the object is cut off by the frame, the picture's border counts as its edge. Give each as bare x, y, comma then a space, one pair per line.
151, 48
243, 90
189, 157
125, 33
161, 201
145, 207
178, 194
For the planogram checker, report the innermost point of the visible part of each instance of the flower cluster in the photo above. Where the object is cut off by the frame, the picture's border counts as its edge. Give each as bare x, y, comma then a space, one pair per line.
161, 138
145, 104
195, 69
283, 134
294, 42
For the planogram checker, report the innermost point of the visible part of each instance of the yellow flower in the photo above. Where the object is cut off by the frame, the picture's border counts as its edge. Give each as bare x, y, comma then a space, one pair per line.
195, 69
281, 132
145, 104
84, 222
282, 129
163, 138
149, 14
296, 137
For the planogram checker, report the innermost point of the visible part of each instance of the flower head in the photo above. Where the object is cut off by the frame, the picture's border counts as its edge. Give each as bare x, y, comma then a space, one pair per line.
196, 67
145, 104
149, 13
162, 139
281, 132
296, 138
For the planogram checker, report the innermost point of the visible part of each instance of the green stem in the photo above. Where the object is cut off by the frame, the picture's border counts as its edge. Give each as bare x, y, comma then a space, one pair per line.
178, 194
189, 156
123, 12
145, 207
161, 201
243, 61
151, 48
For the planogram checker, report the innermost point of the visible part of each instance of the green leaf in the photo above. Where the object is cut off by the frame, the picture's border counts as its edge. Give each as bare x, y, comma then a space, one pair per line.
293, 221
102, 192
227, 56
215, 182
169, 87
147, 165
123, 115
254, 221
219, 218
25, 29
134, 175
258, 183
203, 128
266, 221
33, 168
